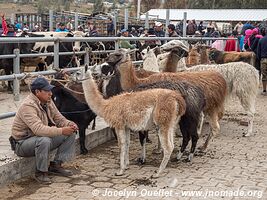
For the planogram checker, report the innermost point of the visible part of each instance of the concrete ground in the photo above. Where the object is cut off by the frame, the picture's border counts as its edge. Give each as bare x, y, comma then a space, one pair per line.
234, 167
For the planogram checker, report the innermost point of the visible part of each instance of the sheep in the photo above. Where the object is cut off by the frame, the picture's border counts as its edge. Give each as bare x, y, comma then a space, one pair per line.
142, 110
74, 110
212, 83
242, 81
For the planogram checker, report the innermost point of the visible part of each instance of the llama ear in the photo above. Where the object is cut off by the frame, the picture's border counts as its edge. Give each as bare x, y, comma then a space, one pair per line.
148, 48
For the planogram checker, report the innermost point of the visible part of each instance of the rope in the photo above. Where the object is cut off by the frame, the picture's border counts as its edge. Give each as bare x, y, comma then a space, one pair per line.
65, 86
76, 112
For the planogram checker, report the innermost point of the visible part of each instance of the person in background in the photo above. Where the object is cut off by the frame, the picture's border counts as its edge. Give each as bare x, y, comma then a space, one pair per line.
69, 25
246, 26
18, 25
62, 27
171, 31
159, 31
262, 56
152, 43
238, 28
201, 28
38, 128
254, 41
125, 43
8, 29
248, 33
110, 27
231, 43
191, 28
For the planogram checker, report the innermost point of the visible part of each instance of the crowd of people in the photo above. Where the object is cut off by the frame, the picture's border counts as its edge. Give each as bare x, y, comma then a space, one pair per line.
250, 36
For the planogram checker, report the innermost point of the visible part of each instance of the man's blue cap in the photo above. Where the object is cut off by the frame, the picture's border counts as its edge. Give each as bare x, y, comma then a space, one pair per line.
124, 30
41, 83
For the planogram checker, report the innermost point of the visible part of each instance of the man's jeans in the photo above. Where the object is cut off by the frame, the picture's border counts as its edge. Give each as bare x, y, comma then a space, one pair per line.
40, 147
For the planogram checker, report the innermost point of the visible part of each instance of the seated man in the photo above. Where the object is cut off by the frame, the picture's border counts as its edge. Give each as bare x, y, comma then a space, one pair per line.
39, 127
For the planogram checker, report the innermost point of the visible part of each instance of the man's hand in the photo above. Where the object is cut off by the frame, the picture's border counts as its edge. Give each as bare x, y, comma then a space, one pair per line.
68, 130
74, 126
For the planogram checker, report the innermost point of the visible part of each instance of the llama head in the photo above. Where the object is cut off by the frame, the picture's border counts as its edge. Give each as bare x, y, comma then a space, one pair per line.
104, 71
117, 57
83, 74
175, 44
213, 54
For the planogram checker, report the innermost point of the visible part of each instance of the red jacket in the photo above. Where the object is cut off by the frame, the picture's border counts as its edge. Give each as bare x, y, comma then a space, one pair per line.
231, 45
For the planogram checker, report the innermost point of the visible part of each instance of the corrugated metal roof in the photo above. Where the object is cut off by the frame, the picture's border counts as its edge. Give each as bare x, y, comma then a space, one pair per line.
211, 14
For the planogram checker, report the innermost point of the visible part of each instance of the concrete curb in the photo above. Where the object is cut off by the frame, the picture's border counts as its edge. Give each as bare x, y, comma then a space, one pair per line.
20, 167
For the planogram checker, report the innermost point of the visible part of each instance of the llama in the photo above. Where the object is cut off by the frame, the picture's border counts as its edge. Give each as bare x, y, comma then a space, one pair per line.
212, 83
221, 57
242, 81
149, 58
136, 111
194, 99
195, 103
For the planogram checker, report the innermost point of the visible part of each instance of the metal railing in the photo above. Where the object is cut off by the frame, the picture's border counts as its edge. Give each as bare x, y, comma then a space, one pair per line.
17, 75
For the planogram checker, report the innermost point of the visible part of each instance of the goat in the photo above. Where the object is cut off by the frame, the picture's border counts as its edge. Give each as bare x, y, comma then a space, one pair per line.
242, 81
137, 111
212, 83
75, 111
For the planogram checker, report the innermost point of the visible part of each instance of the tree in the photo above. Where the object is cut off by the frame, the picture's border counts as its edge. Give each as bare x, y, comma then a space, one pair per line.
98, 6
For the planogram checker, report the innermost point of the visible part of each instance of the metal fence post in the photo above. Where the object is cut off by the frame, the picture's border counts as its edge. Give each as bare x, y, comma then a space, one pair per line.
16, 70
86, 58
126, 18
117, 44
76, 21
51, 20
184, 24
56, 55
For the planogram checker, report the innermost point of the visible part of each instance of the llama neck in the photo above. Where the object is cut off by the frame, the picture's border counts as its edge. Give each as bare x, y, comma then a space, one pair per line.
93, 97
150, 63
172, 61
128, 77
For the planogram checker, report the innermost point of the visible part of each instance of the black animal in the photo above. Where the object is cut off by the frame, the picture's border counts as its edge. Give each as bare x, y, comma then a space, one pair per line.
8, 49
75, 111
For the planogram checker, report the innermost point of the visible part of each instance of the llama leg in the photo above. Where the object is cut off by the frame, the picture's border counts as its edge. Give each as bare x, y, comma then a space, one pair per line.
200, 123
122, 145
142, 139
159, 149
215, 130
194, 139
186, 137
82, 140
93, 126
249, 107
167, 146
128, 137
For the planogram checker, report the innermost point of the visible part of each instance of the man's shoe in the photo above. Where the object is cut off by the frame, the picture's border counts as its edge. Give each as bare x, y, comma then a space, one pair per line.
264, 93
57, 169
42, 177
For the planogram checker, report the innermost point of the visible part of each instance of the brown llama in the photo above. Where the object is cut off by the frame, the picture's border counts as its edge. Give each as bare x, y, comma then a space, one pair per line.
137, 111
212, 83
